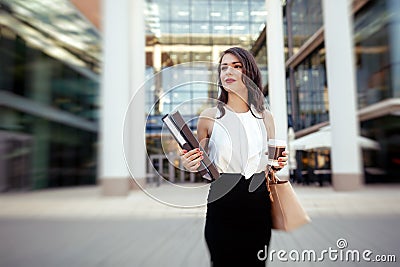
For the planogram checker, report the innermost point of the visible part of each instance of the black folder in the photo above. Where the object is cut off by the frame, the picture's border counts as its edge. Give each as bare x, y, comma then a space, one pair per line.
186, 140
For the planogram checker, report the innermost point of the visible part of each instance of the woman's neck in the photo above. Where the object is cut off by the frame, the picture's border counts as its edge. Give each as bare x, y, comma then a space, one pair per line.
237, 103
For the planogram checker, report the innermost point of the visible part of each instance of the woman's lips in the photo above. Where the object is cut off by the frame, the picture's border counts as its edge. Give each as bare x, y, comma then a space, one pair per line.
230, 80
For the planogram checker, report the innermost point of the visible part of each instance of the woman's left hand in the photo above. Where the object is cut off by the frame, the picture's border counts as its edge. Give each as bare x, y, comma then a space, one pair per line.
283, 160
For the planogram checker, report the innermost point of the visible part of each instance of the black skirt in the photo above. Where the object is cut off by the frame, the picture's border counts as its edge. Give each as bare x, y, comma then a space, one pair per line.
238, 222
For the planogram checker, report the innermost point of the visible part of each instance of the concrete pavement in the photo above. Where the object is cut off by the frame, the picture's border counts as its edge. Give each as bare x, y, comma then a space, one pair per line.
87, 202
79, 227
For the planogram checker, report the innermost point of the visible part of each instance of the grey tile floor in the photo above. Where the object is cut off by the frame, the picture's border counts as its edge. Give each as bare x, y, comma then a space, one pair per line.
79, 227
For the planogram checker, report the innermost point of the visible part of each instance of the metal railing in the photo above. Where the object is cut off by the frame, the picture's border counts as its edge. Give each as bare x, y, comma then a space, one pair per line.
161, 168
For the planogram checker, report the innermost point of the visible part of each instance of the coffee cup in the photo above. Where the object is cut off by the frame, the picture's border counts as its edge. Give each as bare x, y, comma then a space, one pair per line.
275, 150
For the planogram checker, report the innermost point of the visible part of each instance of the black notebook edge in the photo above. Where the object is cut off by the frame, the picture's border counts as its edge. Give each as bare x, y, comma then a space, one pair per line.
207, 167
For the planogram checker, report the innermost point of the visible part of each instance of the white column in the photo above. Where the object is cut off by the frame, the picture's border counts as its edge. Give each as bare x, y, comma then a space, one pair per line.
136, 154
345, 151
215, 54
115, 95
157, 57
157, 66
276, 71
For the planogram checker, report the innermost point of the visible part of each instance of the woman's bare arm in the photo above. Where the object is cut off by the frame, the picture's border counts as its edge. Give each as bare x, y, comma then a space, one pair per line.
205, 126
191, 159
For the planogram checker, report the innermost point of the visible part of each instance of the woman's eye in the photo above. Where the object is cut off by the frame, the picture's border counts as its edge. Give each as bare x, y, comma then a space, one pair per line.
225, 67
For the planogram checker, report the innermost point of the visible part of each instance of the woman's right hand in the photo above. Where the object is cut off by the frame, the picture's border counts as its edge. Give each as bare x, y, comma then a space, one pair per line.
191, 159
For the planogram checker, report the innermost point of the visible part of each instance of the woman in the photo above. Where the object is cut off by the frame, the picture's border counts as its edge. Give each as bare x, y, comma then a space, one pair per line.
235, 133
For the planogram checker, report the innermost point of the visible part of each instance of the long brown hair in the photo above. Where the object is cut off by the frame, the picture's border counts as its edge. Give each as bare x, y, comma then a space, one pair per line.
251, 78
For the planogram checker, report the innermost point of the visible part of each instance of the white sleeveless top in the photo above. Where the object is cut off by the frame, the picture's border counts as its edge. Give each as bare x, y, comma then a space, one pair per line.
238, 143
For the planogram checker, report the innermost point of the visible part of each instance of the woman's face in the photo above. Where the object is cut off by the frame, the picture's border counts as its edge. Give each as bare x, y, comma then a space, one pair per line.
231, 74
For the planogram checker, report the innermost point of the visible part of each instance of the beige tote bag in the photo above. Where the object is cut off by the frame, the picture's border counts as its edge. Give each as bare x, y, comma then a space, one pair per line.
287, 212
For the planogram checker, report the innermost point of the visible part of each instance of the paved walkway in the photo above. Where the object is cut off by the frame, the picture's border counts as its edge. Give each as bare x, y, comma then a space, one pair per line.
87, 202
79, 227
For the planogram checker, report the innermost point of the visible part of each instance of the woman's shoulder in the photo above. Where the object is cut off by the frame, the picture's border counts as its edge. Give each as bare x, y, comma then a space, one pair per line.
209, 113
266, 114
206, 122
269, 123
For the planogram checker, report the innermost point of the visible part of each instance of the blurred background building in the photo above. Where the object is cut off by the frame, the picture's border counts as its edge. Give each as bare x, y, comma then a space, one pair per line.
51, 62
49, 88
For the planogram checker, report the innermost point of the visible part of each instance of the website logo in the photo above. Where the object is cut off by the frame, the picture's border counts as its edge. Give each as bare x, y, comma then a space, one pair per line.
340, 253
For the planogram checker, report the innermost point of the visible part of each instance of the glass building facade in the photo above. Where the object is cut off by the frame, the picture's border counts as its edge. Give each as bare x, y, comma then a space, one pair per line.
376, 41
306, 19
50, 66
183, 42
49, 88
375, 28
188, 31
